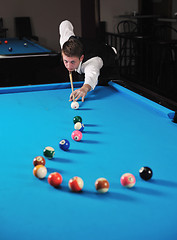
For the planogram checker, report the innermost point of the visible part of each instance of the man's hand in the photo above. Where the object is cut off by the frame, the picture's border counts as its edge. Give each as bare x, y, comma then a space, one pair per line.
80, 93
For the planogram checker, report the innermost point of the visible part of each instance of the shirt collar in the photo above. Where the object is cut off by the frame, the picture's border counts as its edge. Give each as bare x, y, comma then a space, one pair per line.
79, 68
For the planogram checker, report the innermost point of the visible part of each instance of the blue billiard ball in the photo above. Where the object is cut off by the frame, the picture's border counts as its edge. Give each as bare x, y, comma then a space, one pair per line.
10, 49
79, 126
64, 144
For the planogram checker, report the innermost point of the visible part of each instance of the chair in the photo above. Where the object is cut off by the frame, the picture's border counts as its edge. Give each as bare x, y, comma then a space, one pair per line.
127, 30
164, 58
23, 28
2, 30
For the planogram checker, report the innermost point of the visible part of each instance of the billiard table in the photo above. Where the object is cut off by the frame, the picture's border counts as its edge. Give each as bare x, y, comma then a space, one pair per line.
22, 65
123, 131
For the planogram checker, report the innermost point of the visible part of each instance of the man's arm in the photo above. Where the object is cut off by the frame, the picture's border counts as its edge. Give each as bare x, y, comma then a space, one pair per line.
91, 69
66, 30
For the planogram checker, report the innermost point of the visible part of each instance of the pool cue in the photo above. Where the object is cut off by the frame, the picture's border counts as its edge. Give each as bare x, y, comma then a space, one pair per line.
71, 81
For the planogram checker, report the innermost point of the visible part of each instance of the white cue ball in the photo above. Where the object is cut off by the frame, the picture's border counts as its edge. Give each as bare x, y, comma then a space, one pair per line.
74, 105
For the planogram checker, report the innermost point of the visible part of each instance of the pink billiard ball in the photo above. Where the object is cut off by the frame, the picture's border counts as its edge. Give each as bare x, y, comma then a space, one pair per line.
76, 184
128, 180
55, 179
76, 135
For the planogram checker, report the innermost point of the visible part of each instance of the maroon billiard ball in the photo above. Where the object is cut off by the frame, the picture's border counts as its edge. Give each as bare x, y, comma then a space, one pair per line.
39, 160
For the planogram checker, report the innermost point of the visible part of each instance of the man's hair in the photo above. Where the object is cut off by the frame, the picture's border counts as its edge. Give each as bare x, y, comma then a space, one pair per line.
73, 48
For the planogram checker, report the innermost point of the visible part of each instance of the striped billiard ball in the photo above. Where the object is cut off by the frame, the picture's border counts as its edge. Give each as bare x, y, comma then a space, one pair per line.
102, 185
76, 184
40, 171
49, 152
128, 180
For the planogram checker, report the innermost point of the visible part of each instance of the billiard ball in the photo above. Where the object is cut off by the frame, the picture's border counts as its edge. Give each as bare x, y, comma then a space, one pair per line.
10, 49
79, 126
74, 105
5, 41
76, 135
102, 185
39, 160
128, 180
77, 119
55, 179
25, 44
49, 152
145, 173
0, 42
76, 184
64, 144
40, 171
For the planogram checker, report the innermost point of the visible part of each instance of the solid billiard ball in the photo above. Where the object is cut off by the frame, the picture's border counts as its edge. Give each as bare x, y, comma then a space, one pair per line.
74, 105
40, 171
128, 180
64, 144
77, 119
0, 42
76, 135
39, 160
5, 41
55, 179
49, 152
145, 173
79, 126
76, 184
10, 49
102, 185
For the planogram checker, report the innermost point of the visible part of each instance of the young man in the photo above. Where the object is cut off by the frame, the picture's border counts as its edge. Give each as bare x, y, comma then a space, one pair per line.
83, 56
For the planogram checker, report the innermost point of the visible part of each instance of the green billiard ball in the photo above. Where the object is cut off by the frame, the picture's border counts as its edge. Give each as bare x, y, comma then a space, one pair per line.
77, 119
49, 152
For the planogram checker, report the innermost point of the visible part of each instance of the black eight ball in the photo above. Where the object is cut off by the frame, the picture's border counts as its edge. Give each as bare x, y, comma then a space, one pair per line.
145, 173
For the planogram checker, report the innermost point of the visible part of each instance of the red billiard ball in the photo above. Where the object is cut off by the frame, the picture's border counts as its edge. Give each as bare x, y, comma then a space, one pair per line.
39, 160
5, 41
76, 135
40, 171
76, 184
102, 185
128, 180
55, 179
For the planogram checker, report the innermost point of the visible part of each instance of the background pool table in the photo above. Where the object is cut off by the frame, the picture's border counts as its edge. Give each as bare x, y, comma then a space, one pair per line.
123, 132
25, 65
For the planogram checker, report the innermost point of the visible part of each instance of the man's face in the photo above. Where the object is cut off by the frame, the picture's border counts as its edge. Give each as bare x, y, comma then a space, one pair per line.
71, 63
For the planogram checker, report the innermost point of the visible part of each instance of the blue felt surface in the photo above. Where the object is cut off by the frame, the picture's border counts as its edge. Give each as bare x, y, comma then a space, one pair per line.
18, 47
122, 133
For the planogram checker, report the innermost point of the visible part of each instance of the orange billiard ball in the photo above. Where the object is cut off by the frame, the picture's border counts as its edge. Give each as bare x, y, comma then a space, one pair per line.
128, 180
40, 171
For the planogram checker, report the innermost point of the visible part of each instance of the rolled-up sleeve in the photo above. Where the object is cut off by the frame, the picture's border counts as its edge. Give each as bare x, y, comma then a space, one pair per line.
91, 69
66, 30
